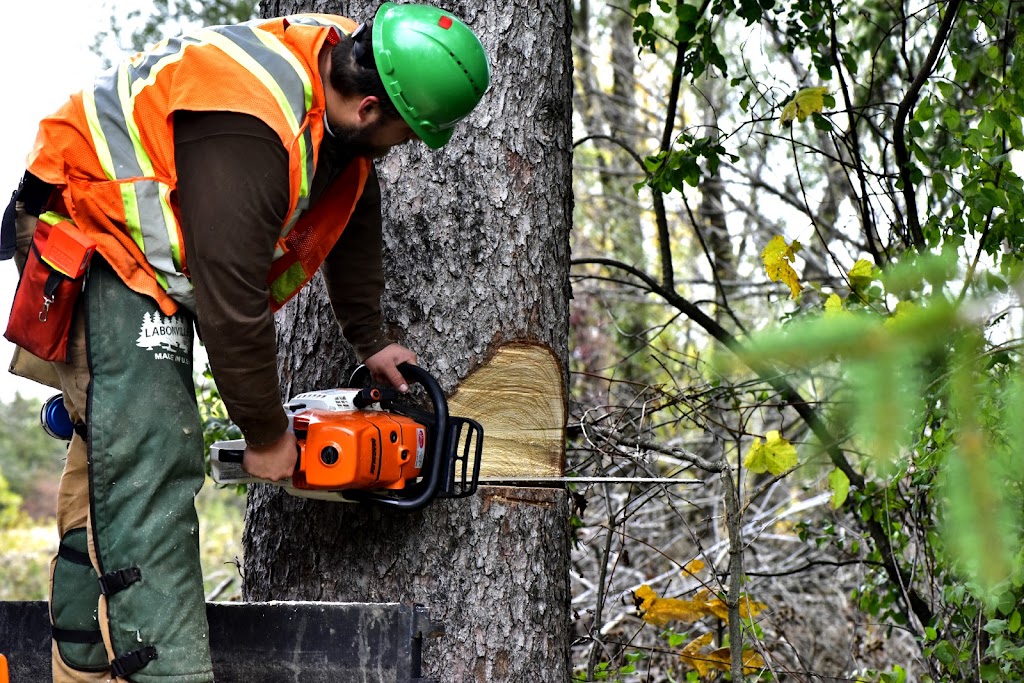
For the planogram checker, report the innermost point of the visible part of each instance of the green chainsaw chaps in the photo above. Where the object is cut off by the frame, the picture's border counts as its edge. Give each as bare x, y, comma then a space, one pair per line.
145, 469
73, 605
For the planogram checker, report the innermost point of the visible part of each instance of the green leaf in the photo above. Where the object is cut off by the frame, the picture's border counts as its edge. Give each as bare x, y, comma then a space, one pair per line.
951, 117
822, 123
951, 156
687, 12
925, 111
995, 626
839, 484
944, 653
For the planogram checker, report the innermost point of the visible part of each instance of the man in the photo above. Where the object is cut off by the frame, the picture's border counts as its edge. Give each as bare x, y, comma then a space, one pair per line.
215, 174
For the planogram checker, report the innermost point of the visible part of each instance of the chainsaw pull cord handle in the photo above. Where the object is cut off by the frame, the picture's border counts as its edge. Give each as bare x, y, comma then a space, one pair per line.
420, 494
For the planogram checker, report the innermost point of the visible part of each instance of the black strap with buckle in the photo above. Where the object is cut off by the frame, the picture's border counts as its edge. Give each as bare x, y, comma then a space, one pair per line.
118, 580
126, 665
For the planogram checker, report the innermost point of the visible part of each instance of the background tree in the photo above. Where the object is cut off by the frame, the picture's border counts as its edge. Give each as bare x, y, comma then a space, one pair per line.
477, 257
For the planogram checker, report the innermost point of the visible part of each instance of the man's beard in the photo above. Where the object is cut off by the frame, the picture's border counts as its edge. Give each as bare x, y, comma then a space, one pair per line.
356, 141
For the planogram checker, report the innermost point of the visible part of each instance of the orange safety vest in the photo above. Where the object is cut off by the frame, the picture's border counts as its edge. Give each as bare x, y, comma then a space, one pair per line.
110, 149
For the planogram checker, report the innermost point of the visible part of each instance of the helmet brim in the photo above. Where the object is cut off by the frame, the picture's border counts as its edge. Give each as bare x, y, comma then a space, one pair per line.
432, 140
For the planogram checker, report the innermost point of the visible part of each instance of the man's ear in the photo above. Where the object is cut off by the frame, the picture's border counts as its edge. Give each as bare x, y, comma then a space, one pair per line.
368, 110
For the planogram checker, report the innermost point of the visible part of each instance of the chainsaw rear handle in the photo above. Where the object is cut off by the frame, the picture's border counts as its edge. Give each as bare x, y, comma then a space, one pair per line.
233, 455
420, 494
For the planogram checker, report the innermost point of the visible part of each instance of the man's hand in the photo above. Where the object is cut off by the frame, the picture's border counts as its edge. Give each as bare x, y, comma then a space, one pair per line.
275, 461
383, 365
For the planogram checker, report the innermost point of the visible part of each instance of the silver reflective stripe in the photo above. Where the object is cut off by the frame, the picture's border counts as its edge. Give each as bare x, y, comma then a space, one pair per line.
148, 216
155, 233
306, 20
143, 70
274, 63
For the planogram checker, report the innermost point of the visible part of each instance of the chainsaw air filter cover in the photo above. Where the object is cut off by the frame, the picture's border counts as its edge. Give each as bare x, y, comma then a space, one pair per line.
360, 449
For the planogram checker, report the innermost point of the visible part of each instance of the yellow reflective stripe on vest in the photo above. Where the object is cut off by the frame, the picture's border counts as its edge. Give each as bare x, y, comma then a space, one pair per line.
110, 106
52, 218
287, 283
301, 20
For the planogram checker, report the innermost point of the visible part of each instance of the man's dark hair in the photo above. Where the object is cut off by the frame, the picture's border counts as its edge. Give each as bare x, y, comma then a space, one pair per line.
353, 70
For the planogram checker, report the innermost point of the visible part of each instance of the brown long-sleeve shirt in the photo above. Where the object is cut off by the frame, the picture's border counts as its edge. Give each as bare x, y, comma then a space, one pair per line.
233, 196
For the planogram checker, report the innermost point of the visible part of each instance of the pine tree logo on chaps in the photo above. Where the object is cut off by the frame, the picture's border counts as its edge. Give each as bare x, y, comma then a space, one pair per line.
169, 336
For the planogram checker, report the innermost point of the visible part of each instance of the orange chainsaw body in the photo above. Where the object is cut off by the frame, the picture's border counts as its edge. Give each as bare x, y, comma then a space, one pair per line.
358, 449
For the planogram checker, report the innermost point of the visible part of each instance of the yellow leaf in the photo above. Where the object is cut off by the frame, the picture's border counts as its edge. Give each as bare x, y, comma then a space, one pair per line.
750, 608
715, 606
862, 274
643, 597
777, 257
752, 661
806, 102
665, 610
718, 608
903, 309
775, 455
717, 659
692, 657
693, 566
660, 611
706, 663
834, 307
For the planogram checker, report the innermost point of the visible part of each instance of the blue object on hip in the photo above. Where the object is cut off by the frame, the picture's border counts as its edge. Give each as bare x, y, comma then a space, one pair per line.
56, 421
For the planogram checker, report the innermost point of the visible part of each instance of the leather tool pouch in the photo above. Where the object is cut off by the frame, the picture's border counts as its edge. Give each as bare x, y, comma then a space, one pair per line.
44, 303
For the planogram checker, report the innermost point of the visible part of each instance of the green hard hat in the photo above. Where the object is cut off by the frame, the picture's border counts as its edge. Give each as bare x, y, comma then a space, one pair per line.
432, 65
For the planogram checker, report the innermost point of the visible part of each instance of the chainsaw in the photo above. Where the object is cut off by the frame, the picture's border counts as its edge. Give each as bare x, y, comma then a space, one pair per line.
361, 444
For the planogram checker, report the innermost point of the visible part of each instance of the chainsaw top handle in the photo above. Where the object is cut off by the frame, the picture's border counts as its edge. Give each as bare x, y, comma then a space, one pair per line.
420, 494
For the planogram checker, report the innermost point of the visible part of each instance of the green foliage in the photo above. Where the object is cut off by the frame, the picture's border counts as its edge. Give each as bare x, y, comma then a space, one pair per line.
10, 505
27, 453
940, 457
695, 158
623, 669
922, 384
213, 416
26, 548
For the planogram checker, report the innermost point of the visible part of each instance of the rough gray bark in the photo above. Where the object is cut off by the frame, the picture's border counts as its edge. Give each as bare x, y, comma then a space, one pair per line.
476, 255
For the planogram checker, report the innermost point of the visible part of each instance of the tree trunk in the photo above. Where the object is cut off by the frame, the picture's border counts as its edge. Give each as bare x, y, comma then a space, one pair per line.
476, 256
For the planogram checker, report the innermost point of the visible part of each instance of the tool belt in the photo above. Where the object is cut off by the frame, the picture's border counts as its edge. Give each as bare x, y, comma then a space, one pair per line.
52, 276
50, 284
